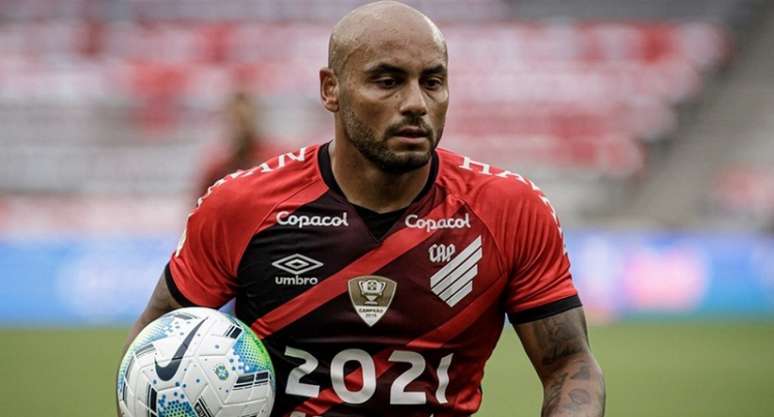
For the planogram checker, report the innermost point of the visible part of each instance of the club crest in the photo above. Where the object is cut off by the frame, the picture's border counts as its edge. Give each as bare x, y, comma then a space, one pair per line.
371, 296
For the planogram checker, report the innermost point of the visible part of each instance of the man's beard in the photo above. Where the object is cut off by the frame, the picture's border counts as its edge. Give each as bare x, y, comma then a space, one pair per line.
375, 150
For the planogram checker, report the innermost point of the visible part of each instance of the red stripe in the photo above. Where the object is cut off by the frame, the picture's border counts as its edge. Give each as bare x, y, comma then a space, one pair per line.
434, 339
394, 246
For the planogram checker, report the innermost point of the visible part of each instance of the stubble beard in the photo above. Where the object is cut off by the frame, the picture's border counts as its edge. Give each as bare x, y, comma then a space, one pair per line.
376, 151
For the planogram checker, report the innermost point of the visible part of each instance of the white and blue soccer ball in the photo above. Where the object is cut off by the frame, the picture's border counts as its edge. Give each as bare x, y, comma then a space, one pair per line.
196, 362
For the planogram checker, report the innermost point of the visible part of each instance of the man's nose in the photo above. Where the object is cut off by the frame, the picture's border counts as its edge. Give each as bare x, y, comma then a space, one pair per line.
414, 102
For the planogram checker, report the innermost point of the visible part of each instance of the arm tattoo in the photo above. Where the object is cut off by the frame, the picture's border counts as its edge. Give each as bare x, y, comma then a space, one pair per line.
574, 390
583, 374
553, 394
580, 396
573, 384
560, 337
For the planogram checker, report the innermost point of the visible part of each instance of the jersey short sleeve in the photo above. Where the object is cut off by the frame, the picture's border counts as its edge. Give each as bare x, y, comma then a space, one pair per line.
540, 284
202, 270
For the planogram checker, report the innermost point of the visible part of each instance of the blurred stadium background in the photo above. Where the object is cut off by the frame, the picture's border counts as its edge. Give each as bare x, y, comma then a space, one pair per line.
647, 122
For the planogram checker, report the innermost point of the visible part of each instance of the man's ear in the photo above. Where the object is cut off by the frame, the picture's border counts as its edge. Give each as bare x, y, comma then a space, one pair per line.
329, 90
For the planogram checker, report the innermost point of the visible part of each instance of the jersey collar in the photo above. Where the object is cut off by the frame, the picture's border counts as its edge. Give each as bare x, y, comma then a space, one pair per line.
324, 161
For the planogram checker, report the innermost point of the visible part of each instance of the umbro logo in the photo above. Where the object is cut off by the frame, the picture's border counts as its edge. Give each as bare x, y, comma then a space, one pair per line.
296, 264
455, 280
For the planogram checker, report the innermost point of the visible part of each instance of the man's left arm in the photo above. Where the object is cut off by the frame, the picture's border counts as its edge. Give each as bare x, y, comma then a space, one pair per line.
573, 384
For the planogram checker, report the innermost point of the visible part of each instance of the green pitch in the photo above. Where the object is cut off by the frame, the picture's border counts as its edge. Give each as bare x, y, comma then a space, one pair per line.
680, 370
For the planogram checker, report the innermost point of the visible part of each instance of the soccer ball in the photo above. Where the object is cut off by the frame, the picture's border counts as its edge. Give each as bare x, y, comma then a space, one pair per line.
196, 362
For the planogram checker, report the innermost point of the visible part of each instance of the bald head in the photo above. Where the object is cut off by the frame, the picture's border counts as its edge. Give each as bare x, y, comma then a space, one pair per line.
377, 23
386, 84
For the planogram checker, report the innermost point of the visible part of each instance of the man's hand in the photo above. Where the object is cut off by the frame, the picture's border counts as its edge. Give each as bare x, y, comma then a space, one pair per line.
558, 347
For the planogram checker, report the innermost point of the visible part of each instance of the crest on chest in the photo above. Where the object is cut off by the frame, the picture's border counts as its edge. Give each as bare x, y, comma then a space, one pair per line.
371, 296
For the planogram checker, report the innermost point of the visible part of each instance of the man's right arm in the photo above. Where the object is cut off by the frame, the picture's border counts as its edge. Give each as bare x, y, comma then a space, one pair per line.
202, 267
161, 302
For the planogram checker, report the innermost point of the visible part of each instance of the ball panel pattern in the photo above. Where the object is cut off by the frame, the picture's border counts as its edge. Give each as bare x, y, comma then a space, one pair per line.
196, 362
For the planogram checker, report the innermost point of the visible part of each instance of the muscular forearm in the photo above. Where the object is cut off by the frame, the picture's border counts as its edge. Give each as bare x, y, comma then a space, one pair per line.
161, 302
575, 388
145, 318
558, 347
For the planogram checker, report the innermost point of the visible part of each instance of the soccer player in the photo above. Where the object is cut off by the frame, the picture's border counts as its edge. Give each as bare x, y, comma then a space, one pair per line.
377, 268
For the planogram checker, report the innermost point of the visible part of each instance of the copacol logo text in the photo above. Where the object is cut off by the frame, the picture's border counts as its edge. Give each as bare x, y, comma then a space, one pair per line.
300, 220
413, 221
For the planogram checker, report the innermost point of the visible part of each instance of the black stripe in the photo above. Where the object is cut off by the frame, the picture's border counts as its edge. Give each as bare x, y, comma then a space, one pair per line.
228, 331
252, 380
546, 310
145, 349
245, 379
261, 377
201, 408
233, 320
129, 368
247, 386
151, 402
174, 291
235, 333
123, 391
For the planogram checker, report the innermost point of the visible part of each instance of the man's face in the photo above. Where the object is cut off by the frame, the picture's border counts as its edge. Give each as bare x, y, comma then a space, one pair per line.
393, 100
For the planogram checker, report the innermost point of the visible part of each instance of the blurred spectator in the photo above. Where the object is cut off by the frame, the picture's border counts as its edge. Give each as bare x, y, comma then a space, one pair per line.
243, 146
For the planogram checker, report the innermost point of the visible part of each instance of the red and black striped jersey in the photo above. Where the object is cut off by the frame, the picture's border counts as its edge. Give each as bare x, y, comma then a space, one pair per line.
360, 325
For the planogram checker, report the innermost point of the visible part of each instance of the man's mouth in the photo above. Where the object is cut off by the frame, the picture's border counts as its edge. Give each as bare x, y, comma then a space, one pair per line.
412, 132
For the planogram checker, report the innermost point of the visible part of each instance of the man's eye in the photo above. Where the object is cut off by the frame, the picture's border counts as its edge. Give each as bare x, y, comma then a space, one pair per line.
433, 83
387, 82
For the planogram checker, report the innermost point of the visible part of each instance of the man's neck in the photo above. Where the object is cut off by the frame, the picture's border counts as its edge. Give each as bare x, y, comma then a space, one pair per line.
365, 185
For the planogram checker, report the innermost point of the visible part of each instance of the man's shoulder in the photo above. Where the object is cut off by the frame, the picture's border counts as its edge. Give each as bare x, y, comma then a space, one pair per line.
504, 200
481, 184
264, 184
